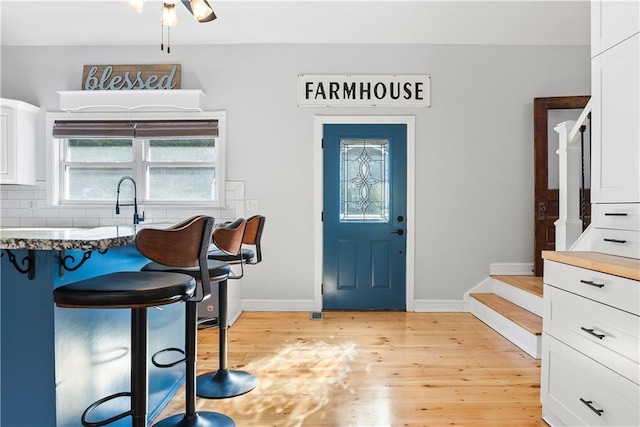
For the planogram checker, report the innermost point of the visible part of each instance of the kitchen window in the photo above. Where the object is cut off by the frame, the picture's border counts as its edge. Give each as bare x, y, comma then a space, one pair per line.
174, 162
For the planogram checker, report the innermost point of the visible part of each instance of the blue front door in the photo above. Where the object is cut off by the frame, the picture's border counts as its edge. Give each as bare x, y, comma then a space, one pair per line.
364, 216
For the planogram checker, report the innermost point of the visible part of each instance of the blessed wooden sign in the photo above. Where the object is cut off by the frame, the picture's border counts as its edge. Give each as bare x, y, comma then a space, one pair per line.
129, 77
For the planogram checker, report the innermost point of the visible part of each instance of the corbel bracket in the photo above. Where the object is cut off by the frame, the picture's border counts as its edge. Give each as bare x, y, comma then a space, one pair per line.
27, 265
66, 260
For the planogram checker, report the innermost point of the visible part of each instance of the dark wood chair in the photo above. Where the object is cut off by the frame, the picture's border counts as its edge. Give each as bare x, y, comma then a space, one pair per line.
204, 272
186, 244
251, 250
224, 382
250, 253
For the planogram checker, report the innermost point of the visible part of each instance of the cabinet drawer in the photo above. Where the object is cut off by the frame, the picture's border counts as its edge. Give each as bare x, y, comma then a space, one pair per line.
623, 216
616, 242
611, 290
597, 330
576, 384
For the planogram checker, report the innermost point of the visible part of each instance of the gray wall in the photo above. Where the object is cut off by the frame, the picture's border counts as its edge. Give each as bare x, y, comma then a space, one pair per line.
474, 146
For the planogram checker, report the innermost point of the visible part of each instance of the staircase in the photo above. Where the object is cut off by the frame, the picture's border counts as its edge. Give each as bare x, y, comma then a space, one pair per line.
512, 305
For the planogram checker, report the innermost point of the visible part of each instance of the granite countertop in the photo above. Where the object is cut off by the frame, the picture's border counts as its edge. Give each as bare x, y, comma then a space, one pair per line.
62, 238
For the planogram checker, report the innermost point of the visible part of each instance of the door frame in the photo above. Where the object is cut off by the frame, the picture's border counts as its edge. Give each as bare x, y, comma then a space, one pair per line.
541, 107
318, 175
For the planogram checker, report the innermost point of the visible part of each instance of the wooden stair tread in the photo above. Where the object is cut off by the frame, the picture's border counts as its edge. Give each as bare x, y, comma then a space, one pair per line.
524, 318
531, 284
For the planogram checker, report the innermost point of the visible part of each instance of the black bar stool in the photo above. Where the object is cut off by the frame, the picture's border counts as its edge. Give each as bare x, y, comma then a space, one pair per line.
217, 385
224, 382
137, 291
248, 255
205, 273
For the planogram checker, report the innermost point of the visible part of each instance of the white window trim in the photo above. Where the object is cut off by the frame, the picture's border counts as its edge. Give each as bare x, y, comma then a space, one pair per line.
54, 153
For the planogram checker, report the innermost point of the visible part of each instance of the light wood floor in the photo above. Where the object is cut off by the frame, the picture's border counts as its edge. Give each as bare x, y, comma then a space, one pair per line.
373, 369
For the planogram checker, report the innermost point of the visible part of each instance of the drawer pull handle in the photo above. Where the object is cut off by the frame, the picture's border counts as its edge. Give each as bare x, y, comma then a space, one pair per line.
615, 214
590, 331
588, 403
615, 241
592, 283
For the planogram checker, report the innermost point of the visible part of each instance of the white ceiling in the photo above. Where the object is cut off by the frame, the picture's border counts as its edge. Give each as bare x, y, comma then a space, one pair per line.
113, 22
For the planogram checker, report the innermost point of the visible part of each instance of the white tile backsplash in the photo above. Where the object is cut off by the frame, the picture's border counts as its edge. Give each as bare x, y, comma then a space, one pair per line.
9, 222
86, 222
19, 213
27, 207
11, 204
20, 194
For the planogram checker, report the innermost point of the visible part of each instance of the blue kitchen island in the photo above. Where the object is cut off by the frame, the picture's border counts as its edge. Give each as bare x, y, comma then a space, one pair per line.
55, 361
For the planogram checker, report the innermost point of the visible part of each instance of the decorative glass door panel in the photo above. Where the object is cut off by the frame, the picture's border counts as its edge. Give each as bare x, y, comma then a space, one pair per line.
364, 180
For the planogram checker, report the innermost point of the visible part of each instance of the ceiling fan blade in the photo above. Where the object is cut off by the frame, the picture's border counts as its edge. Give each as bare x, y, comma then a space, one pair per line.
210, 17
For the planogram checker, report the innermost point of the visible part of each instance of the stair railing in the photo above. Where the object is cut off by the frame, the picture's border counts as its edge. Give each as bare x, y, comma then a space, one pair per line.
571, 198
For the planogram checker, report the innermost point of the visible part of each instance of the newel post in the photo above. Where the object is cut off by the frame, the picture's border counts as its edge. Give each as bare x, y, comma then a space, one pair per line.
569, 224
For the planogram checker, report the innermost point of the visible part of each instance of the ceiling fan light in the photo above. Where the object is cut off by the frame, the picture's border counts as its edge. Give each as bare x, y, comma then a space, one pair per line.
201, 9
136, 5
169, 16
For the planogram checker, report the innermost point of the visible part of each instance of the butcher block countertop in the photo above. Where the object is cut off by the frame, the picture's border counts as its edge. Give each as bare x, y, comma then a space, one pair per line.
610, 264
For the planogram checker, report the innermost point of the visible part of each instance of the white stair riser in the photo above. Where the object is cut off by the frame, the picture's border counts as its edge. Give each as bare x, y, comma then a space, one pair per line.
524, 299
528, 342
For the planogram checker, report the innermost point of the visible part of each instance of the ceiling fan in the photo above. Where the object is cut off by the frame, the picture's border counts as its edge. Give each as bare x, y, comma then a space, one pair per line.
200, 9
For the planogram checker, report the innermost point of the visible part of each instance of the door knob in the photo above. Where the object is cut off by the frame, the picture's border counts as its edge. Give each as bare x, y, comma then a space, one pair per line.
399, 232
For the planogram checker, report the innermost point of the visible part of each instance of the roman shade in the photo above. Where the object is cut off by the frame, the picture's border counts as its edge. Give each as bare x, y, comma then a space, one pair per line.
135, 129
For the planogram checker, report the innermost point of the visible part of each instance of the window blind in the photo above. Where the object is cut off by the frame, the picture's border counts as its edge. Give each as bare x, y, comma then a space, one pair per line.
135, 129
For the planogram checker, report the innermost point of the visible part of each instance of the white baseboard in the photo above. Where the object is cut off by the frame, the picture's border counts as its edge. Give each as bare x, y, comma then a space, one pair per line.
437, 305
511, 269
234, 316
425, 305
277, 305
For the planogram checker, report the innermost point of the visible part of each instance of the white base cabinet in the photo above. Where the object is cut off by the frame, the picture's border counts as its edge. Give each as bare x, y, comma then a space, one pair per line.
18, 121
583, 392
590, 342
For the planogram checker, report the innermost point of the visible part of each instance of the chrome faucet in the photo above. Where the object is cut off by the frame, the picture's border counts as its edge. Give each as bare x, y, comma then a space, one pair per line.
136, 219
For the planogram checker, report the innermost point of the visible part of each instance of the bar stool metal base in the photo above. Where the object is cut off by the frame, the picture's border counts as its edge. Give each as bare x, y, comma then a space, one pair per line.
225, 383
199, 419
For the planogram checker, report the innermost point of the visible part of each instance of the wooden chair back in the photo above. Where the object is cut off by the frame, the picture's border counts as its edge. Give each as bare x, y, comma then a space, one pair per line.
253, 235
182, 245
228, 238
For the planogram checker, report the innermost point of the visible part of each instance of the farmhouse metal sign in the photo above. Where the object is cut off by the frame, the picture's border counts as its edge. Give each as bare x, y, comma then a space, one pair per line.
364, 90
130, 77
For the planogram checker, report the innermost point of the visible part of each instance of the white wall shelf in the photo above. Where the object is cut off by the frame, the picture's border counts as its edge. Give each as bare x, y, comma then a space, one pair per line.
134, 100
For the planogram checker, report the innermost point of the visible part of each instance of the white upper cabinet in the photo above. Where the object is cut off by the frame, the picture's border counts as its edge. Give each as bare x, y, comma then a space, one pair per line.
616, 124
18, 121
613, 21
